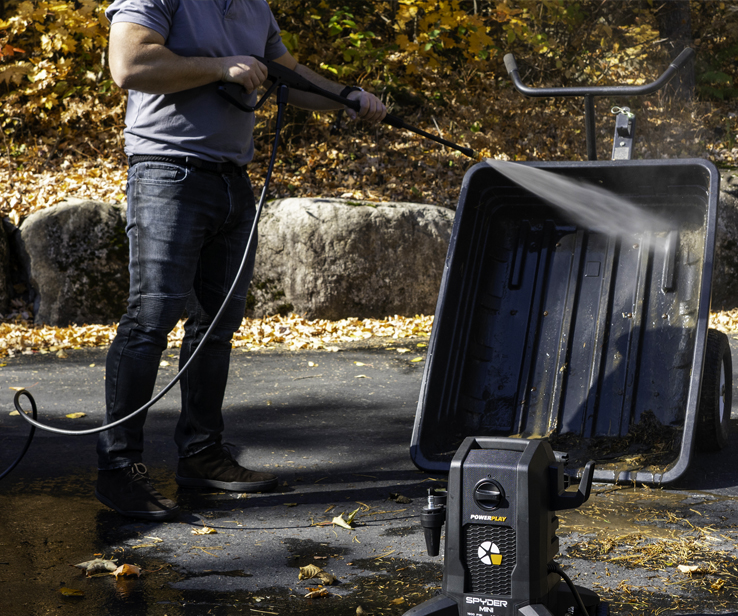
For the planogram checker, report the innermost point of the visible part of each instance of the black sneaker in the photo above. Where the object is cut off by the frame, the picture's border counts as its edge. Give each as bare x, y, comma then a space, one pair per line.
215, 467
129, 492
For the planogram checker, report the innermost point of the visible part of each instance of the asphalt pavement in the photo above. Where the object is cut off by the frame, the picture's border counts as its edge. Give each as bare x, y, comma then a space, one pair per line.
336, 428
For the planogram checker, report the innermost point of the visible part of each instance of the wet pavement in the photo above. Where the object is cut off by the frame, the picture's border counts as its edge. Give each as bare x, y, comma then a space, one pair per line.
336, 428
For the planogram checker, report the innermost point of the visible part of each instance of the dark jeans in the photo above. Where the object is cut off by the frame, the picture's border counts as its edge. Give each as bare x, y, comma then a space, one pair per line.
188, 230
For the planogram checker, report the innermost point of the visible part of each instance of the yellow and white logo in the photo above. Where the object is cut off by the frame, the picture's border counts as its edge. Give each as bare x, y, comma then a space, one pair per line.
489, 554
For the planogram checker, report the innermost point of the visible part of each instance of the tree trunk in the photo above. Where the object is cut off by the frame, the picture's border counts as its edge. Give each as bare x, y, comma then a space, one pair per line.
675, 25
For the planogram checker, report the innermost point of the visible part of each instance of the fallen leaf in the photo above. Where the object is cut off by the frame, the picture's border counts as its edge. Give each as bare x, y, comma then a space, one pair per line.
403, 350
14, 414
205, 530
313, 571
98, 565
362, 376
417, 359
309, 571
17, 388
398, 601
71, 592
399, 498
76, 415
317, 593
690, 569
62, 354
339, 521
127, 570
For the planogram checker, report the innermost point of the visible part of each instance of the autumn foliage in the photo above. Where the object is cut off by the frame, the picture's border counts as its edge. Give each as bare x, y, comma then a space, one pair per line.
437, 63
53, 64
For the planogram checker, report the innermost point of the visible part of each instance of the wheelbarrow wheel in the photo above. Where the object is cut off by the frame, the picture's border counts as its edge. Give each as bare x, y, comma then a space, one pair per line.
713, 416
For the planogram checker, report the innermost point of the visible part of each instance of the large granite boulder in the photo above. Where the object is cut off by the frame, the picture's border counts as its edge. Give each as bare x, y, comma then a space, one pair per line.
323, 258
76, 260
331, 258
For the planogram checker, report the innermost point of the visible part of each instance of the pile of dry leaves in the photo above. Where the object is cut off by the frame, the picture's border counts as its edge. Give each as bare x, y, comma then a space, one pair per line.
293, 332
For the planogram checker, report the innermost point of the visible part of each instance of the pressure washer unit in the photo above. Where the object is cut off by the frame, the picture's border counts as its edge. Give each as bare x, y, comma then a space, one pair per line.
500, 515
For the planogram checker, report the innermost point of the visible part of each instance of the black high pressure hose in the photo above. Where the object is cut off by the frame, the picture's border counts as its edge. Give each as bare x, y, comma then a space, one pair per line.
556, 568
32, 431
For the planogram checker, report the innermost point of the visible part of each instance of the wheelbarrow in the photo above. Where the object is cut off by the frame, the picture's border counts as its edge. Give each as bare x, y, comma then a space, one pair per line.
548, 328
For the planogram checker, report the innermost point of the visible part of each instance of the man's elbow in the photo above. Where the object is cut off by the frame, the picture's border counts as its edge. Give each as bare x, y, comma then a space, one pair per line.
123, 75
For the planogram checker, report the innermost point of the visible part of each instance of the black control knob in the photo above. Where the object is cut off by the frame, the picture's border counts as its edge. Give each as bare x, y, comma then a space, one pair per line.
488, 494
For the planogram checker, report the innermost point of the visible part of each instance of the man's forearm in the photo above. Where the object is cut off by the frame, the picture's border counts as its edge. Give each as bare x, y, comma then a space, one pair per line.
315, 102
159, 71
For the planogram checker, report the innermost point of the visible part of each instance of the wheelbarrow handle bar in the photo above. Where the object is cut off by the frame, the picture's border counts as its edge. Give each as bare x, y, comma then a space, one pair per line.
279, 74
512, 68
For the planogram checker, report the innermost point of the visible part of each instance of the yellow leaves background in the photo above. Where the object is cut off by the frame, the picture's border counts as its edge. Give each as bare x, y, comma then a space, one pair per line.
438, 26
62, 75
292, 330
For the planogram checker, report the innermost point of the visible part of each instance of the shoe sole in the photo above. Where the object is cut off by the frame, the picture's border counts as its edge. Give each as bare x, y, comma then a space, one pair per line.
150, 516
229, 486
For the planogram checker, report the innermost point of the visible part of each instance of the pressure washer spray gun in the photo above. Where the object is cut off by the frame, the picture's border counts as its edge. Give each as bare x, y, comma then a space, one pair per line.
280, 75
501, 538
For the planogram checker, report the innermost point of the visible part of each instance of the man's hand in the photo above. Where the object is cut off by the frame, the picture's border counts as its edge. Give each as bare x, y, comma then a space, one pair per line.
372, 109
244, 70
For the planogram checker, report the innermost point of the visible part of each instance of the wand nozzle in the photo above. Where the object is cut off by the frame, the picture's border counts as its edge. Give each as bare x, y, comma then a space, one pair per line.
432, 520
281, 75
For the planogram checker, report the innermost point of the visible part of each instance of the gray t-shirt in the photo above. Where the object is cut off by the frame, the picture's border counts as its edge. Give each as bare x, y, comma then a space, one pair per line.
197, 122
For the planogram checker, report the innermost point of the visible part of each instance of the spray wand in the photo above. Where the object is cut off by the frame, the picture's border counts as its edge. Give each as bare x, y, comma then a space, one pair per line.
281, 75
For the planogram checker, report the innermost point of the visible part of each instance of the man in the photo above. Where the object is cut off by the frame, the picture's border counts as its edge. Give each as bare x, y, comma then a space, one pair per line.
190, 211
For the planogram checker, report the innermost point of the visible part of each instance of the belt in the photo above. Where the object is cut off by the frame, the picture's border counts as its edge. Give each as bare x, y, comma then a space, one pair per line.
187, 161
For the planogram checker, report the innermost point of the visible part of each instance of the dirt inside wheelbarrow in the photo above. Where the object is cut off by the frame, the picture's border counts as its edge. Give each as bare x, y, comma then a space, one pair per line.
649, 445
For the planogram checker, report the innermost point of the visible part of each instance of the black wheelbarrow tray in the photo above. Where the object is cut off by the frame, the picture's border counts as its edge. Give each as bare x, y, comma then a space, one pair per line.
546, 329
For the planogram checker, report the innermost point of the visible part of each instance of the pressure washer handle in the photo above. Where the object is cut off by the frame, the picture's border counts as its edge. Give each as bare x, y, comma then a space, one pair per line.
279, 74
512, 69
561, 500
